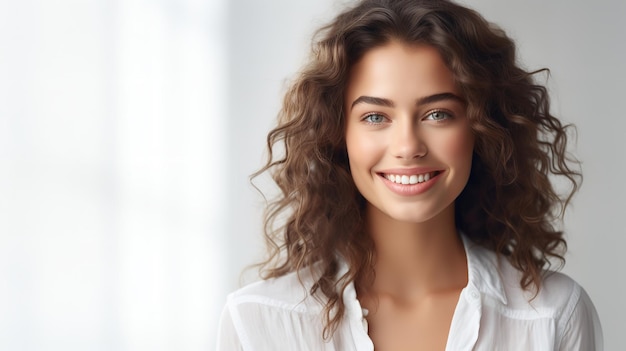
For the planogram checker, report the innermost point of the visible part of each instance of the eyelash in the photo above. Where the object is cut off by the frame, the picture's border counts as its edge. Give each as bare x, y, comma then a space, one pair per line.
367, 116
447, 116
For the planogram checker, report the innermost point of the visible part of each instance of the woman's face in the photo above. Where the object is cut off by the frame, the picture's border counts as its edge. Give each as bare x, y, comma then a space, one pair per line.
409, 142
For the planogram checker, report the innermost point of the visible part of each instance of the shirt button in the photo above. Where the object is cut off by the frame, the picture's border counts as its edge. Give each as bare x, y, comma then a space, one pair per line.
474, 294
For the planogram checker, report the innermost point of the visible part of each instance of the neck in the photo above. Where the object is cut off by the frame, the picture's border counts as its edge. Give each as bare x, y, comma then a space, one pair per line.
416, 259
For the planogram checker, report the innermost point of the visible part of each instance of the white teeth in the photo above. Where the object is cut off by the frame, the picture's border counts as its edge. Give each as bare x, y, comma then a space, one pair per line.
412, 179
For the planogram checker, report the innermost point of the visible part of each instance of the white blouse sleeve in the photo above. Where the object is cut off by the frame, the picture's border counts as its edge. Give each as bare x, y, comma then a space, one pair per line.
583, 330
227, 338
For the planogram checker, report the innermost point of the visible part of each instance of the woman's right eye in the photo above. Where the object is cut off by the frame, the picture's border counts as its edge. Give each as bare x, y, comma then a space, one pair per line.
374, 118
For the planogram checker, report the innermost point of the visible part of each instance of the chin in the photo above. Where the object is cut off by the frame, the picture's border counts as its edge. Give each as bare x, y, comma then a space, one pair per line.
414, 216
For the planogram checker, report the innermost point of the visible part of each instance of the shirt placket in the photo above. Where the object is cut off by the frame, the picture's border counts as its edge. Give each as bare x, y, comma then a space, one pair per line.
465, 324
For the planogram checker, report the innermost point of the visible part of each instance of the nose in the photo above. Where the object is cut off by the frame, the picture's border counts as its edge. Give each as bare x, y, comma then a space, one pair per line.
407, 143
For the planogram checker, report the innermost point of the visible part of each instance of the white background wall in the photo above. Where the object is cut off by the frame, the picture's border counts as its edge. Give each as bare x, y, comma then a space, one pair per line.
112, 171
128, 129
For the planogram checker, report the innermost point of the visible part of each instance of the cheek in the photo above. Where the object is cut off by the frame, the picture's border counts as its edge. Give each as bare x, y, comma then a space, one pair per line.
361, 150
457, 147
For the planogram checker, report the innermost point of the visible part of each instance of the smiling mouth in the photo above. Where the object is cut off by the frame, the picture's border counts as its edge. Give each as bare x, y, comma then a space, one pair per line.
410, 179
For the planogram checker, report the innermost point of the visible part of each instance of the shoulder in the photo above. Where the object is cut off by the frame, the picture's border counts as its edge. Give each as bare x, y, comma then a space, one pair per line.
272, 314
558, 292
291, 291
577, 322
495, 275
560, 313
560, 299
558, 296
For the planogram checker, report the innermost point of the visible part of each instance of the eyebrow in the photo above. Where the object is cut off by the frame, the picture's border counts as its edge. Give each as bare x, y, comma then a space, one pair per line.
421, 101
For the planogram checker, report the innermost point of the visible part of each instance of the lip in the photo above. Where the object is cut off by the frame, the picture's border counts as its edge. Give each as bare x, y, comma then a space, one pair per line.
410, 189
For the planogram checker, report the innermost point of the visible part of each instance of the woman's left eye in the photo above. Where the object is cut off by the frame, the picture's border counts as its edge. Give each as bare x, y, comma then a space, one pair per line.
438, 116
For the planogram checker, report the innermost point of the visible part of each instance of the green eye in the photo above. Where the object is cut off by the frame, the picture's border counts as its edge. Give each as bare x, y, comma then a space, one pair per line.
374, 118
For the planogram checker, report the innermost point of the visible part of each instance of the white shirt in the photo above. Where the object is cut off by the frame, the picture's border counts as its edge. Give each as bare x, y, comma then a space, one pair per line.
493, 313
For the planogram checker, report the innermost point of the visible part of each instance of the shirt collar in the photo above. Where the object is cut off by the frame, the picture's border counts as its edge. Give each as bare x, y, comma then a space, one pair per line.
483, 270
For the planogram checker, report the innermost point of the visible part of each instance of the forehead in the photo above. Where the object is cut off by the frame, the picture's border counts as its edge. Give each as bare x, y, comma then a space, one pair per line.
399, 71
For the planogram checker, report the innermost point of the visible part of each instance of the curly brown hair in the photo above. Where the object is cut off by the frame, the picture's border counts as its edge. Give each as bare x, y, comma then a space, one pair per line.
509, 203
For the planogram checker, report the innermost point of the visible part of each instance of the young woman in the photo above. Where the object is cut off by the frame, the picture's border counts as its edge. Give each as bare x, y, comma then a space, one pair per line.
416, 210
